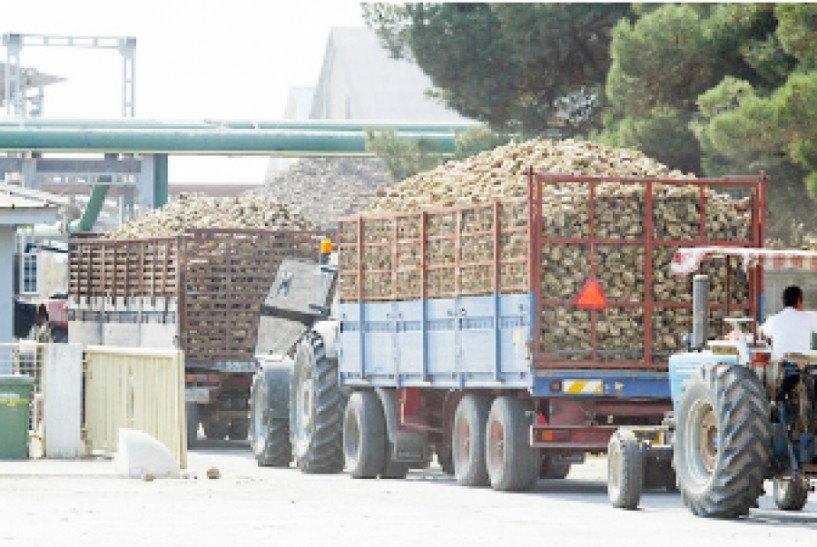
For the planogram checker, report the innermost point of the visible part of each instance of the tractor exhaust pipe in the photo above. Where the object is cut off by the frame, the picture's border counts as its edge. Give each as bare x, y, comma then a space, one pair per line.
700, 311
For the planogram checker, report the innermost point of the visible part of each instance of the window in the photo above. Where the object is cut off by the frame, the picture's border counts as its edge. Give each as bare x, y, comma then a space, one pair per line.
29, 273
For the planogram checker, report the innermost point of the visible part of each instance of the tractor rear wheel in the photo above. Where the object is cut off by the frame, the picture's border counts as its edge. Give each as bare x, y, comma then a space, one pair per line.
625, 470
791, 494
316, 409
513, 464
468, 439
723, 441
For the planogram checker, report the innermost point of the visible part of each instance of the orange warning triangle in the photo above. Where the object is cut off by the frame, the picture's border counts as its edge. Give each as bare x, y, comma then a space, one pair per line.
592, 296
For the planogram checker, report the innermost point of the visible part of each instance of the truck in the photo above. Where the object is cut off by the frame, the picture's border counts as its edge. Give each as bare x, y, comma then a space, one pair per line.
741, 416
510, 339
198, 291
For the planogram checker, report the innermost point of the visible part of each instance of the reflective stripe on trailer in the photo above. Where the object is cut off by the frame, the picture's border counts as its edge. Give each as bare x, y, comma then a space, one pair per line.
583, 387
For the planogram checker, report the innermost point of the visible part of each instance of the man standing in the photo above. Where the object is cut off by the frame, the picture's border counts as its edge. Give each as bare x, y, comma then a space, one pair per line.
791, 328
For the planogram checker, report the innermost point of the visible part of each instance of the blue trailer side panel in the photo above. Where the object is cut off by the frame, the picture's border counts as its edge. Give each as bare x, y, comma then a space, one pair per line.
474, 342
467, 342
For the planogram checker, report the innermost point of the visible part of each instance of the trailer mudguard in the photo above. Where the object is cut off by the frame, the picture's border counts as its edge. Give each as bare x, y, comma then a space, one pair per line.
406, 446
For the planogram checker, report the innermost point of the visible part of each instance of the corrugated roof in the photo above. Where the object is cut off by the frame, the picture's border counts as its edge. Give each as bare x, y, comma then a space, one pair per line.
359, 80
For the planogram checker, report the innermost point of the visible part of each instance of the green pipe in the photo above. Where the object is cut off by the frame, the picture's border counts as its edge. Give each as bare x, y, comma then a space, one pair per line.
161, 183
282, 125
86, 223
212, 141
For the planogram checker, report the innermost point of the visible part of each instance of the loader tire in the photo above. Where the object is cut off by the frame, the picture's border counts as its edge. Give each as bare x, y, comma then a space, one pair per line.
364, 436
316, 409
468, 439
512, 463
791, 494
723, 441
269, 436
625, 470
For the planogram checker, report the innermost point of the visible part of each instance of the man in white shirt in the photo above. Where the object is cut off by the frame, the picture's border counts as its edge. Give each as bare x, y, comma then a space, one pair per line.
791, 328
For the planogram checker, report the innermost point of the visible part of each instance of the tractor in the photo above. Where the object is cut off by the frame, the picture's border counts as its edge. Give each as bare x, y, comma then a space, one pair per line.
739, 416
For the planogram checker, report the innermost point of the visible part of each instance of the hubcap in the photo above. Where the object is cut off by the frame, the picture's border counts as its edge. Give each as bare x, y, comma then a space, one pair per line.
463, 443
496, 446
304, 416
702, 449
351, 437
614, 474
259, 427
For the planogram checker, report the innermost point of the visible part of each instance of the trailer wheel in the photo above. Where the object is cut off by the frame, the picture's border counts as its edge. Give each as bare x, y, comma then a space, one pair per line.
723, 441
625, 470
468, 439
659, 474
192, 422
270, 436
791, 494
551, 469
445, 459
364, 435
239, 429
513, 464
216, 429
316, 410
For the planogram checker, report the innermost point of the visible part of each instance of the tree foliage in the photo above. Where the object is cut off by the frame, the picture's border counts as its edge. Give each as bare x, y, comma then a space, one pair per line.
405, 158
712, 89
531, 68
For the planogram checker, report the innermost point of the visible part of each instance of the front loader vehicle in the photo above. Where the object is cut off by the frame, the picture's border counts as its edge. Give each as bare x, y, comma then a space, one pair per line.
740, 417
295, 403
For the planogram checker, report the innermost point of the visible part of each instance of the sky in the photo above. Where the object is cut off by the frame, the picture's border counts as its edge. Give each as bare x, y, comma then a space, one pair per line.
202, 59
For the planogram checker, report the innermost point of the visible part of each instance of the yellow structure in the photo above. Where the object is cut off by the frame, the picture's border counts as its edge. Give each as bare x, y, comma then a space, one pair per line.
136, 388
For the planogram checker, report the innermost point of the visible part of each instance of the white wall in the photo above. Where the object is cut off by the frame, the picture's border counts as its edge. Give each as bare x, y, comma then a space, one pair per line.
7, 249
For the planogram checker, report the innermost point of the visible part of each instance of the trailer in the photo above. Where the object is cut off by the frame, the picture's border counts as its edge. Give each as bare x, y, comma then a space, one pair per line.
199, 291
447, 332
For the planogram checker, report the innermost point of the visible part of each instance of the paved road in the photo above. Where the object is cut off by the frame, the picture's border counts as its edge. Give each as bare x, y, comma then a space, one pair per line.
67, 503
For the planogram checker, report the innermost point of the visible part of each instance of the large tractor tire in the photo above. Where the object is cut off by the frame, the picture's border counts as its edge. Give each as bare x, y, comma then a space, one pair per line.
364, 436
512, 463
269, 420
791, 494
316, 409
625, 470
468, 439
723, 441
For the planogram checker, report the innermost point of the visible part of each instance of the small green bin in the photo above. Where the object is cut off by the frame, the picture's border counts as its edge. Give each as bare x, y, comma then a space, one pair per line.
15, 405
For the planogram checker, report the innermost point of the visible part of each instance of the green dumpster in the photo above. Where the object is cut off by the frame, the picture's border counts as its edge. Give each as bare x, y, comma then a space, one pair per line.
15, 404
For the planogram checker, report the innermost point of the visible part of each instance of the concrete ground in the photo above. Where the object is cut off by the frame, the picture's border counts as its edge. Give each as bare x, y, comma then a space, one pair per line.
46, 502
